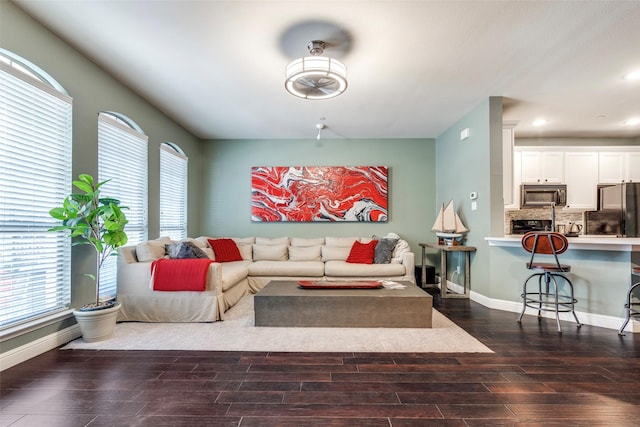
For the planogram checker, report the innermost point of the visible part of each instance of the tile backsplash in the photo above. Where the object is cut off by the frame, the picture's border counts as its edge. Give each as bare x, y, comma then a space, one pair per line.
562, 217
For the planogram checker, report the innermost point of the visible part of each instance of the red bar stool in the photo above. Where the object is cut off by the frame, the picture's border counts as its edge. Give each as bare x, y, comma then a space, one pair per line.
630, 306
548, 297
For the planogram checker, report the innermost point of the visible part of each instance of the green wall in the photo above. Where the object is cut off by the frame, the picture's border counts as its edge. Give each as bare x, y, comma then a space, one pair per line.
93, 90
474, 165
226, 209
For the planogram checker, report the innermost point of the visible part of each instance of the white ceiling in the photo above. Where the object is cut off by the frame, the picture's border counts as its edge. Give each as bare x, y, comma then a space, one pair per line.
414, 67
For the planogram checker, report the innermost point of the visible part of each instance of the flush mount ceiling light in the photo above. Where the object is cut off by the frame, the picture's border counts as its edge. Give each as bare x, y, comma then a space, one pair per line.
315, 76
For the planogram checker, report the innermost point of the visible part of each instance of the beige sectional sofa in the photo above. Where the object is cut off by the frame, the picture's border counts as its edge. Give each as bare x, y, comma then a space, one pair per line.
263, 260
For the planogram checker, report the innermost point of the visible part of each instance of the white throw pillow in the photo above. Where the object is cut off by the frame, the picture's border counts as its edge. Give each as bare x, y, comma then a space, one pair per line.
302, 241
305, 253
152, 250
401, 247
276, 241
335, 253
341, 241
269, 252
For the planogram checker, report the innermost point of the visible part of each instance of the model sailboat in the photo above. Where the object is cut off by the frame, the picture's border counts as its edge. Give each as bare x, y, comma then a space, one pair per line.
448, 225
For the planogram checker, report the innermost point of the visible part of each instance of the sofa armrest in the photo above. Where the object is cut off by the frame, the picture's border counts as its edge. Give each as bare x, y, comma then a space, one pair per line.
409, 262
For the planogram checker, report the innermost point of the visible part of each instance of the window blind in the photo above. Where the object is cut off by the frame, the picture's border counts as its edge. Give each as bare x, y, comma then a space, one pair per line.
173, 192
35, 176
122, 158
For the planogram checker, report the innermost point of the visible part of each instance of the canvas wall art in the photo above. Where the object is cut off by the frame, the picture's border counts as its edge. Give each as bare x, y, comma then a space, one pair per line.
319, 193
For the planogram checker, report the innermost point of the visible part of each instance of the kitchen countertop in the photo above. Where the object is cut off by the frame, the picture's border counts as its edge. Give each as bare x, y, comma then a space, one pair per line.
589, 243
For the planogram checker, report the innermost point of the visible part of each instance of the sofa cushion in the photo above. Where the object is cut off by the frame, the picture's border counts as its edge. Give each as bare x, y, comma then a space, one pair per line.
275, 241
152, 250
384, 250
244, 240
305, 253
209, 253
302, 241
287, 268
184, 250
238, 240
246, 250
269, 252
340, 241
232, 272
345, 269
339, 253
225, 250
362, 253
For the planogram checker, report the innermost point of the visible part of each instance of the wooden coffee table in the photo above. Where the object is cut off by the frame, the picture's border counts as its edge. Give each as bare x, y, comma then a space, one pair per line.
285, 303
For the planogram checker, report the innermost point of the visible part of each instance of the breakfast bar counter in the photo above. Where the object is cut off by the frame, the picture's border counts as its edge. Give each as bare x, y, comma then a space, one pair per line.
589, 243
601, 271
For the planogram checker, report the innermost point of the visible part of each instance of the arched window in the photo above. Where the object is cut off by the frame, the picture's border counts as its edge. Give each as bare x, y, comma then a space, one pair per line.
122, 159
173, 191
35, 176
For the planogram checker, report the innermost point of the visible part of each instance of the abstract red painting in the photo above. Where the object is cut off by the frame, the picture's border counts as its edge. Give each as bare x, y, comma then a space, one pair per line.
319, 193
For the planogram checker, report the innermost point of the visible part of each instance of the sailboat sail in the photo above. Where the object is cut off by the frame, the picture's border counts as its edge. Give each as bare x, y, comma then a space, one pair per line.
448, 220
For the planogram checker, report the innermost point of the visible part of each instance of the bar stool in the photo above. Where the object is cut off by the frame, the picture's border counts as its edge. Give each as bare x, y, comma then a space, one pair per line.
631, 306
547, 298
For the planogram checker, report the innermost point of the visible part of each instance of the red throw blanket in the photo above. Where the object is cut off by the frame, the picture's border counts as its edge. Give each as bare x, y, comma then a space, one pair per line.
180, 274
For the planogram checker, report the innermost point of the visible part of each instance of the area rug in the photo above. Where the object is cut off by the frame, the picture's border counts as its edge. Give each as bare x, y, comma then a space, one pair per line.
238, 333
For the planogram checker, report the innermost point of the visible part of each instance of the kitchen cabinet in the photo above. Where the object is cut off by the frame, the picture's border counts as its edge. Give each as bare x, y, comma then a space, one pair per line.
633, 166
540, 167
618, 166
517, 173
581, 179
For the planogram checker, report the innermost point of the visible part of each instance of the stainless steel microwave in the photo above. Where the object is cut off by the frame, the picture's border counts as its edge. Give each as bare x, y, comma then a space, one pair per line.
542, 195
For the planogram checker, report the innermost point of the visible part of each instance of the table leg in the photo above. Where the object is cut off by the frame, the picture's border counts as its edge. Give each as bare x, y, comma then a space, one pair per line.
423, 273
443, 274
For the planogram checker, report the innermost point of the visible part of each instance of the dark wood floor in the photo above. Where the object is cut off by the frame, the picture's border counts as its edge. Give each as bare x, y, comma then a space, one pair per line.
536, 377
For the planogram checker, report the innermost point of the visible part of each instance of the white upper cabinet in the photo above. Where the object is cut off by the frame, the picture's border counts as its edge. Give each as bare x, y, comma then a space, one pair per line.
633, 166
580, 174
542, 167
618, 166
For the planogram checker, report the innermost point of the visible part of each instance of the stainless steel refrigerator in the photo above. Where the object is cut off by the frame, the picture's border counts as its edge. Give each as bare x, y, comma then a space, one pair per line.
622, 201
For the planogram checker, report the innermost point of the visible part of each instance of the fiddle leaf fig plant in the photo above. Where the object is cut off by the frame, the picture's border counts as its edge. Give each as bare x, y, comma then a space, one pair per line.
92, 220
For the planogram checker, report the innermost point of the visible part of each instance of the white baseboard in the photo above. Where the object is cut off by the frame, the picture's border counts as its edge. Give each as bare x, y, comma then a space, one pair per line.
25, 352
600, 320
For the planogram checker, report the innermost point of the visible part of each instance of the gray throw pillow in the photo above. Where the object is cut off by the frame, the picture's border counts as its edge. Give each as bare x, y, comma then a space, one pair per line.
384, 250
182, 250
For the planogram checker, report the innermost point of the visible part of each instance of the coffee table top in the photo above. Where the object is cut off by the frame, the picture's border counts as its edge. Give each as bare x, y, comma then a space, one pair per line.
292, 288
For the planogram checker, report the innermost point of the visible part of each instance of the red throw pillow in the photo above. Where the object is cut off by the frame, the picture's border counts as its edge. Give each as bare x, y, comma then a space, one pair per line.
225, 250
362, 253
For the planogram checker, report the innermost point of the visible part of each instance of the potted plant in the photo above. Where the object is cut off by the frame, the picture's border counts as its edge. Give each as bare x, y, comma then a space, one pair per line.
99, 222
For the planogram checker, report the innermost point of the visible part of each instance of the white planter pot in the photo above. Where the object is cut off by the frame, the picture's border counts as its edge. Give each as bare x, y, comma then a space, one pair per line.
97, 325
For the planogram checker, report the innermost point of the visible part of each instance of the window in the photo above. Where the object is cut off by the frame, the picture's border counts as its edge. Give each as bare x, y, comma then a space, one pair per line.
35, 176
122, 158
173, 191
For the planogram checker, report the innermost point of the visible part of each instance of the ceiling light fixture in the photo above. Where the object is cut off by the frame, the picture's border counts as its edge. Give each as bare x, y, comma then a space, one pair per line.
540, 122
316, 77
634, 75
632, 121
319, 126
